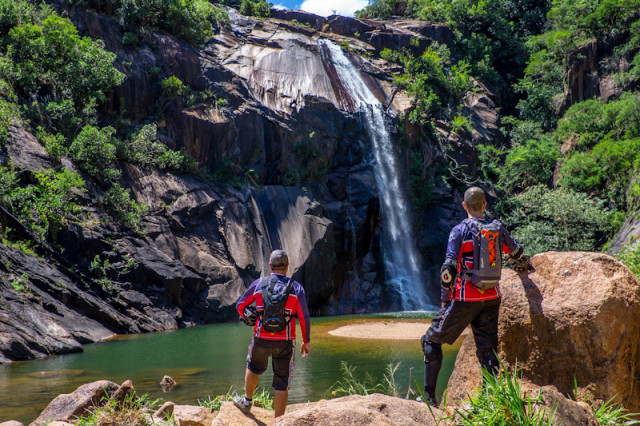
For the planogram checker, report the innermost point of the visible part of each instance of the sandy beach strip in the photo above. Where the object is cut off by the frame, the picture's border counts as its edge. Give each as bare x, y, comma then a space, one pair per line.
387, 330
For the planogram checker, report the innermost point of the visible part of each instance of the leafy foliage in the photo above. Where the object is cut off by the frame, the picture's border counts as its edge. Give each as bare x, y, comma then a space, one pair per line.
571, 24
51, 62
190, 20
559, 219
44, 204
9, 114
259, 8
172, 87
94, 150
145, 149
630, 256
606, 147
529, 164
118, 202
435, 84
490, 35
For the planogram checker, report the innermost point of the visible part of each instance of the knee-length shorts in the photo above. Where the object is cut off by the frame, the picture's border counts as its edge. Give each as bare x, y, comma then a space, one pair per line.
282, 356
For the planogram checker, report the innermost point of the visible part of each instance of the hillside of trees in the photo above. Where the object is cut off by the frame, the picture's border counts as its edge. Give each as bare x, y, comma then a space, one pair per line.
566, 178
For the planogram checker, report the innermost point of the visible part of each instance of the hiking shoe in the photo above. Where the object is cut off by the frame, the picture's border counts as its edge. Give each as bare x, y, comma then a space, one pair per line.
242, 403
431, 400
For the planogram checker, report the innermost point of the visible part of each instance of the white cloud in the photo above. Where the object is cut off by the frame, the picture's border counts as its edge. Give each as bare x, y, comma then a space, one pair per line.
279, 6
327, 7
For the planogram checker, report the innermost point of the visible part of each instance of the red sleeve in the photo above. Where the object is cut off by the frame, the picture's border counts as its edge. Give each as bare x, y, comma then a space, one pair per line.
247, 298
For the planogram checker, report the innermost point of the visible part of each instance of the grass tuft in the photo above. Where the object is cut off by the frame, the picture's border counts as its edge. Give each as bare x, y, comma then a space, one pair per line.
133, 411
500, 402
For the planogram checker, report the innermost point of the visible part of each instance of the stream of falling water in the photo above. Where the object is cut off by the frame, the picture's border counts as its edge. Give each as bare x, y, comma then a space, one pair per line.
402, 264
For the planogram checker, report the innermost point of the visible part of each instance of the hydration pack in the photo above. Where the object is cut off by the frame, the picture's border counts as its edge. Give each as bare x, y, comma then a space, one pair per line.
487, 254
274, 318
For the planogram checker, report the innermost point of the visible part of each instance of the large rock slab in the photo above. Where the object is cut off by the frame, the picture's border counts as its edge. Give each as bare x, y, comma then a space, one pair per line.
375, 409
574, 318
67, 407
230, 415
190, 415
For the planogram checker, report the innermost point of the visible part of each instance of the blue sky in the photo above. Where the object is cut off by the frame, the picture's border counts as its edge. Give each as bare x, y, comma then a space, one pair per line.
323, 7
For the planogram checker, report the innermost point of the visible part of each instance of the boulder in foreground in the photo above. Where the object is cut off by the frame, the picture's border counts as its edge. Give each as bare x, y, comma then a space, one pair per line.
375, 409
68, 406
575, 316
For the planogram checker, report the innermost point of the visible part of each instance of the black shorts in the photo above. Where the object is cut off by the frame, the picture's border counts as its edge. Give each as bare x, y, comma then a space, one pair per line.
451, 321
282, 356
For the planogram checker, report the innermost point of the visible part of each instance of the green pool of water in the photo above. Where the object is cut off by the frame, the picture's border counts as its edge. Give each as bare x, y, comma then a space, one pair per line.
210, 360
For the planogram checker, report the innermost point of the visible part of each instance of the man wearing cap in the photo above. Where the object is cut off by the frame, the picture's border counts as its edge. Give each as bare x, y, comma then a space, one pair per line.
280, 345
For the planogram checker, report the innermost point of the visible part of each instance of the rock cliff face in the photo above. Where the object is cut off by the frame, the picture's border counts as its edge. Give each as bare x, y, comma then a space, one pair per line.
286, 120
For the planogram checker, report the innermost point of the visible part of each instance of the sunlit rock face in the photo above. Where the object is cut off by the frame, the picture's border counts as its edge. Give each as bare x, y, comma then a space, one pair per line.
304, 180
281, 68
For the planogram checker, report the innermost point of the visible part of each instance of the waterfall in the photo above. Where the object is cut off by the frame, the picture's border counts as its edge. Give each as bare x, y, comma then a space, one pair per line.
402, 264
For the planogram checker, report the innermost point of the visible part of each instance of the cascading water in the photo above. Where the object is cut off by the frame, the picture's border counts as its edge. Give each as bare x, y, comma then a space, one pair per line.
402, 265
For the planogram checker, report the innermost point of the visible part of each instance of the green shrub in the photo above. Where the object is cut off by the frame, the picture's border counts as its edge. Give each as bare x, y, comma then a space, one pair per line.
190, 20
434, 83
15, 13
52, 56
9, 115
381, 9
128, 212
145, 149
94, 150
607, 169
56, 145
560, 220
259, 8
172, 87
43, 206
630, 256
21, 284
529, 164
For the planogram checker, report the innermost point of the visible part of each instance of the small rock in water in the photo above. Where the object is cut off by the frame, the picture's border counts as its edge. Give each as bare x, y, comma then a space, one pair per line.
168, 382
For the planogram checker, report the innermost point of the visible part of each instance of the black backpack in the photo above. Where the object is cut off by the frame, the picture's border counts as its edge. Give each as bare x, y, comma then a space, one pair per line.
274, 318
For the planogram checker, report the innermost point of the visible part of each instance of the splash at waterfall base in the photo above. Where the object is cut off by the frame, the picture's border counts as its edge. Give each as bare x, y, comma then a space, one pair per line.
401, 260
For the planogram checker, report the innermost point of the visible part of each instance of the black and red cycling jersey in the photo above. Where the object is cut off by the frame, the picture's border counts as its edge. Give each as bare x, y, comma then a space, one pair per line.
460, 249
295, 307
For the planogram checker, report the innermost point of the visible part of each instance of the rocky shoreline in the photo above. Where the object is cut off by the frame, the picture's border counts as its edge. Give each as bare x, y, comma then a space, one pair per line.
574, 349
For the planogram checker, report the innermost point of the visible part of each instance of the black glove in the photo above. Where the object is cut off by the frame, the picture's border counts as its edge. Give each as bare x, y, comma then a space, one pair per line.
523, 264
517, 253
448, 273
250, 315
